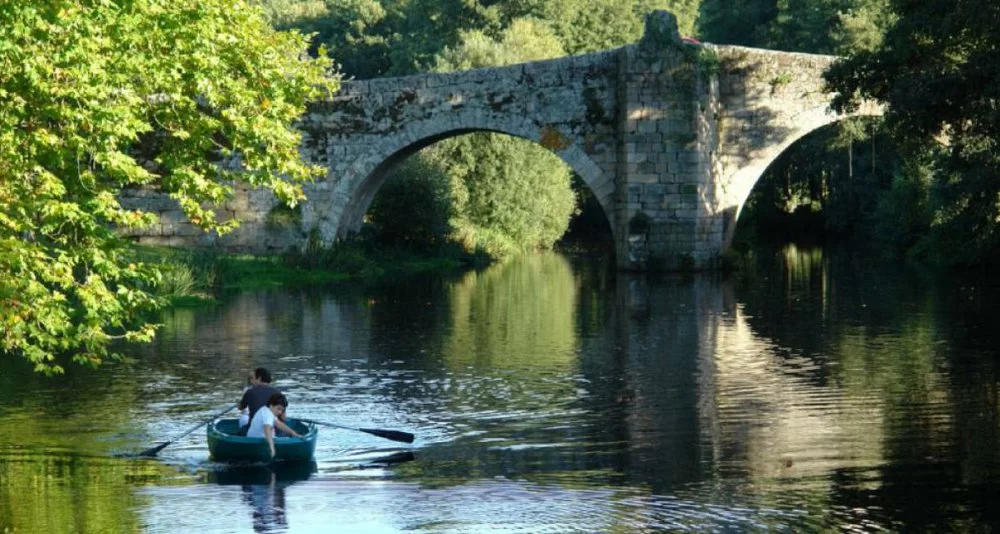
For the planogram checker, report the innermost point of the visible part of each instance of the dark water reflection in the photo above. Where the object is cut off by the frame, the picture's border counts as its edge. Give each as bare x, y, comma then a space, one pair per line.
812, 392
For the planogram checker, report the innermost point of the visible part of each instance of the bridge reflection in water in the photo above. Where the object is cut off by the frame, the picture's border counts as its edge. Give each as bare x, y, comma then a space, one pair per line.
813, 394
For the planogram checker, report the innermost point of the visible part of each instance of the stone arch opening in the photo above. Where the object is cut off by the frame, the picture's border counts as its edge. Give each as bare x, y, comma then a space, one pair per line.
750, 177
356, 188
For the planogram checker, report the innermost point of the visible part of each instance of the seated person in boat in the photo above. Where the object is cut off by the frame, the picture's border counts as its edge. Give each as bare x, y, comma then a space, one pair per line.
244, 414
263, 422
256, 397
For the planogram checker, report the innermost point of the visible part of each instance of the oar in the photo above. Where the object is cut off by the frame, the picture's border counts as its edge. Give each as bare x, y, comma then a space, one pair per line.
153, 451
394, 435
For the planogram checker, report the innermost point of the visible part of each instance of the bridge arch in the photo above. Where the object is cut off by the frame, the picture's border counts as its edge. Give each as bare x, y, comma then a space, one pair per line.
740, 183
356, 187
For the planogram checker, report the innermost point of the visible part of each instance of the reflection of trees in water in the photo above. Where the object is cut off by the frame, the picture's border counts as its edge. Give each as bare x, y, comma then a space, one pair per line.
778, 412
51, 413
514, 315
50, 492
410, 321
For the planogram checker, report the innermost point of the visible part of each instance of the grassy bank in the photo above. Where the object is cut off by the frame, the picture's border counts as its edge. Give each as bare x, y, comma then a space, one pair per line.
196, 277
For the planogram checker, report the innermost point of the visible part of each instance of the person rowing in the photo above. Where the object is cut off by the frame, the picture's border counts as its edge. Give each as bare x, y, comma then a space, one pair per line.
244, 416
257, 397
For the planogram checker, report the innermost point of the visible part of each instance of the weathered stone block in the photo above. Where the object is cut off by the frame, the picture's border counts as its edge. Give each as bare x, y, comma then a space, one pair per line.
641, 178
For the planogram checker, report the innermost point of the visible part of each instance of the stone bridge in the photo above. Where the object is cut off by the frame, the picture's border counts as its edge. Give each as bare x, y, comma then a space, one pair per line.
669, 136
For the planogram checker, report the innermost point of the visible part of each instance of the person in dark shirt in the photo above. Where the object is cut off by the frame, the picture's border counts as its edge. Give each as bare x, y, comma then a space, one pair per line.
244, 417
256, 398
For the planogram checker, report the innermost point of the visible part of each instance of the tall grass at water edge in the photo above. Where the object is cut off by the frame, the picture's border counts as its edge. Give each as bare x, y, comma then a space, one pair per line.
188, 276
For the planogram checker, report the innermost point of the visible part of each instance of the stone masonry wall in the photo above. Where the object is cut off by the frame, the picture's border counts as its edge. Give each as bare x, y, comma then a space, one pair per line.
266, 227
662, 167
764, 101
669, 136
567, 105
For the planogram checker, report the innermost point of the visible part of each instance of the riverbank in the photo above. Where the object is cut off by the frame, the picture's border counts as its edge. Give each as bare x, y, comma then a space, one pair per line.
196, 277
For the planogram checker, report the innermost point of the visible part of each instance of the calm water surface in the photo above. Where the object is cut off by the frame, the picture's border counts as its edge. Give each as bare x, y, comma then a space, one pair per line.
809, 393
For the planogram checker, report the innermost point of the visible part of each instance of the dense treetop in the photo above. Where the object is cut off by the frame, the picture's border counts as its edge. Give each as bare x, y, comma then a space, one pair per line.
938, 73
99, 95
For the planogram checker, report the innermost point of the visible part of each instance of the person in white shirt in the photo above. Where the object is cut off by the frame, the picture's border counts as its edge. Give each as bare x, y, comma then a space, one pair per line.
262, 424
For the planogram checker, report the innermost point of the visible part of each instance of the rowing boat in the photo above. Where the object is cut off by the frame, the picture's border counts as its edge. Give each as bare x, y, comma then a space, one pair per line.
225, 446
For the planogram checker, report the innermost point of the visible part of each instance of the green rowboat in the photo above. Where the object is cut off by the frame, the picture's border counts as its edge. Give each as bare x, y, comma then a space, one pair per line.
225, 446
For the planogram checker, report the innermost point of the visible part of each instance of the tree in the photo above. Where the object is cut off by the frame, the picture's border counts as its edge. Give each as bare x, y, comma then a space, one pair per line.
862, 26
740, 22
357, 33
414, 206
97, 96
524, 40
936, 72
814, 26
589, 25
509, 194
372, 38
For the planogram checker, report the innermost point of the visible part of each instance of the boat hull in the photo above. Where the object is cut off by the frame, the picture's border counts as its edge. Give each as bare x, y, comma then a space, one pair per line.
225, 446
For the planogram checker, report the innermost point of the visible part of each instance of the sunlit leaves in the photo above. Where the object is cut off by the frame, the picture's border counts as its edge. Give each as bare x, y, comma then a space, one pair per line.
99, 96
815, 26
509, 195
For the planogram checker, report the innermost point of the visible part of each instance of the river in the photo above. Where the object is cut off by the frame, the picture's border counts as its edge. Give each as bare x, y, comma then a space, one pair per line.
811, 392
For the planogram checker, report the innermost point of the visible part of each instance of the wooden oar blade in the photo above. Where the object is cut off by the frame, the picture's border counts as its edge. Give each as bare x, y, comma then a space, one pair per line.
394, 435
154, 450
